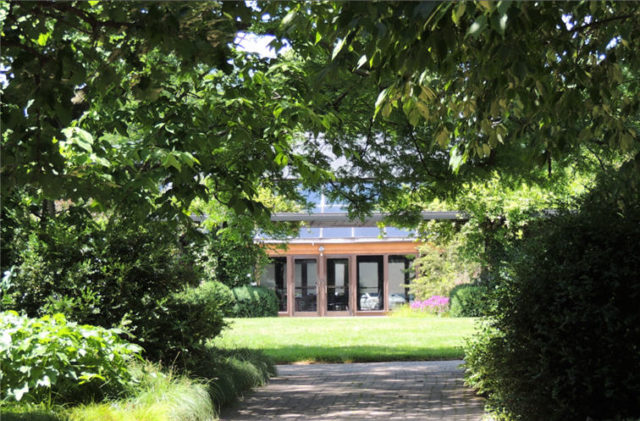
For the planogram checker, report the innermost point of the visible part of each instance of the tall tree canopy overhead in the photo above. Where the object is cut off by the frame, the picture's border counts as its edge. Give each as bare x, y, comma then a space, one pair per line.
135, 105
547, 77
430, 95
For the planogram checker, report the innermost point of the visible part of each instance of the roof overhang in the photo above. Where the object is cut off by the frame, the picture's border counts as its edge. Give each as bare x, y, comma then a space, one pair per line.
319, 220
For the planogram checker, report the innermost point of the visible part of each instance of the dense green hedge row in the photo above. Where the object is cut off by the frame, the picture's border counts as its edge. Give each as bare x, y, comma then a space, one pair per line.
253, 301
563, 342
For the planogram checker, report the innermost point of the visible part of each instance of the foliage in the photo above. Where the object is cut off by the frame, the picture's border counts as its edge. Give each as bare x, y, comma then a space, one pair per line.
563, 339
188, 319
440, 267
469, 300
122, 273
254, 301
162, 395
166, 395
234, 372
221, 294
50, 359
421, 56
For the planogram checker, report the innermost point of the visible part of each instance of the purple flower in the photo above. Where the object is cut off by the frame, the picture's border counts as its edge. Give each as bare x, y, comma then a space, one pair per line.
436, 304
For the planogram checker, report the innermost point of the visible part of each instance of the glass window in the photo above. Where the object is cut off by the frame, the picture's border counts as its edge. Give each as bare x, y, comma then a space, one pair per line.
337, 232
274, 276
400, 274
370, 283
306, 278
368, 232
309, 232
337, 284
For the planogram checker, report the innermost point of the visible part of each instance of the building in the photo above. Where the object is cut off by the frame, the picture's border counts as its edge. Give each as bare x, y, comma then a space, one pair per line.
341, 267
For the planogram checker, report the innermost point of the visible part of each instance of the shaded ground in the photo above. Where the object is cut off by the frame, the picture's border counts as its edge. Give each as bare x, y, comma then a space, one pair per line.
431, 390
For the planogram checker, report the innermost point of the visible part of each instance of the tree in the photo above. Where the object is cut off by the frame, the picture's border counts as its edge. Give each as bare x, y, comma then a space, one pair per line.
132, 107
468, 88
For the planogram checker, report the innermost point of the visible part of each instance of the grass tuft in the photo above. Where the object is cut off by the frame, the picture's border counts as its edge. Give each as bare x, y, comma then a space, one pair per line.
216, 380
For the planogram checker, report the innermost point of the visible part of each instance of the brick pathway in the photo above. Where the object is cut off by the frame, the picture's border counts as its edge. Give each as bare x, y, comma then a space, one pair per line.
372, 391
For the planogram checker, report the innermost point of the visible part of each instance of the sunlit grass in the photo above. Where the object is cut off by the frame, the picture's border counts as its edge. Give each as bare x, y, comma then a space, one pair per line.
350, 339
162, 395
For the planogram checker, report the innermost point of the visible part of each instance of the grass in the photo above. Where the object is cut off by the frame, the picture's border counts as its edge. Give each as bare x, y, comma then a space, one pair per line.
350, 339
162, 395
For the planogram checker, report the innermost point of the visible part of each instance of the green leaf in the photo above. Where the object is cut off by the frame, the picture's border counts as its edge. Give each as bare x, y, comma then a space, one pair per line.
318, 37
458, 12
171, 161
289, 17
19, 393
382, 96
443, 138
42, 39
455, 159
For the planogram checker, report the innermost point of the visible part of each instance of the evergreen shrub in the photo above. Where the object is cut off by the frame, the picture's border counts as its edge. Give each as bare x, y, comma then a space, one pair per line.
468, 300
254, 301
563, 342
192, 316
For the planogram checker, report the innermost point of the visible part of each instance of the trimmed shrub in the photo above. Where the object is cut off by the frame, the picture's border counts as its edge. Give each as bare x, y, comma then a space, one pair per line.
192, 316
104, 273
221, 294
564, 339
468, 300
254, 301
50, 359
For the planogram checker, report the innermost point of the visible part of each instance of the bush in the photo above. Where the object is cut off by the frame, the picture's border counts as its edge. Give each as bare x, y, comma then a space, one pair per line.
564, 340
51, 359
233, 372
252, 301
101, 273
468, 300
440, 267
191, 317
221, 294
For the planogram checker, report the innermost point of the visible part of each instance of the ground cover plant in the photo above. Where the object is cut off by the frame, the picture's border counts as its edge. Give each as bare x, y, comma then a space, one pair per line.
162, 394
50, 359
350, 339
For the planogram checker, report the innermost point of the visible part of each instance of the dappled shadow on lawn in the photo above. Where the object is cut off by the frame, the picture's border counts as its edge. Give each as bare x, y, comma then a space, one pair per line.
287, 354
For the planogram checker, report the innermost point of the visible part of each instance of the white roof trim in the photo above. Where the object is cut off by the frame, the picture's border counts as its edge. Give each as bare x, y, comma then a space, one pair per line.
341, 219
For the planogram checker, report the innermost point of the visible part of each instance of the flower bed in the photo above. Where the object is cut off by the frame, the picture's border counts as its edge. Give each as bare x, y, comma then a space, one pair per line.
437, 304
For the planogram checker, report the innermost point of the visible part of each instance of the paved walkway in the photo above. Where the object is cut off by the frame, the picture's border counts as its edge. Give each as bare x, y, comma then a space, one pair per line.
372, 391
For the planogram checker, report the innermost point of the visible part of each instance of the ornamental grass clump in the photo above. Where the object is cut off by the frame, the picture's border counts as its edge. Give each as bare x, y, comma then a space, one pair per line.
436, 304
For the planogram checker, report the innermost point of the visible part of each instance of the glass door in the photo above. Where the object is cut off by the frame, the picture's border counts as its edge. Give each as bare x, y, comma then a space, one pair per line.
274, 277
306, 286
338, 284
370, 283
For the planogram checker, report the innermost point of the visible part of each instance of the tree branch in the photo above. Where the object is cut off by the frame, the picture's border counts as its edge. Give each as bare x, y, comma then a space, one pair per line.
600, 22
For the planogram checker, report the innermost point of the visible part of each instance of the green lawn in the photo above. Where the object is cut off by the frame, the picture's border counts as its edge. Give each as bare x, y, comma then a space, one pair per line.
350, 339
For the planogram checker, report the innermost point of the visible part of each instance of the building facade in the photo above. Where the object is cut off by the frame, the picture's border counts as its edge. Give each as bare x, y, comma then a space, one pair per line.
340, 267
